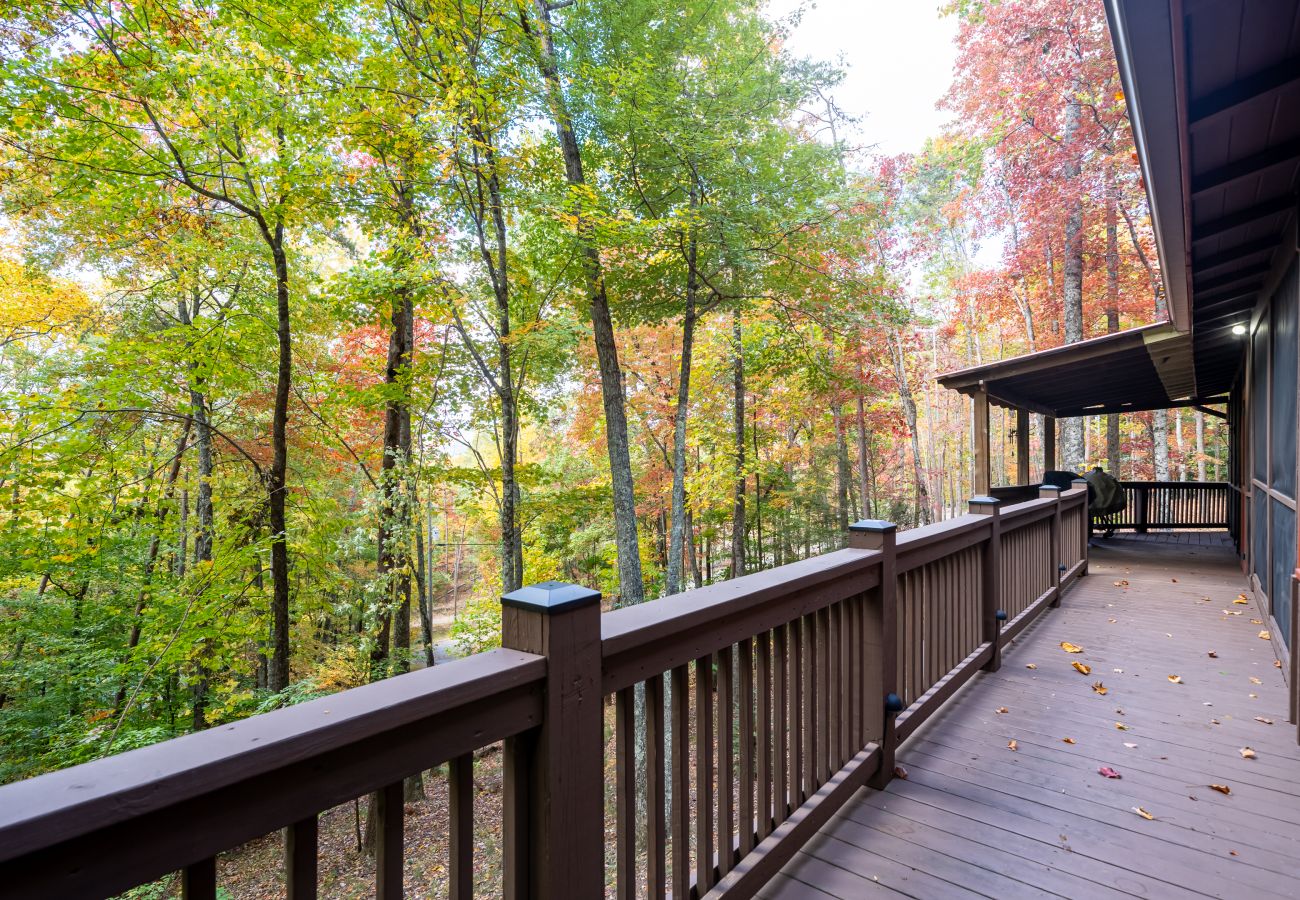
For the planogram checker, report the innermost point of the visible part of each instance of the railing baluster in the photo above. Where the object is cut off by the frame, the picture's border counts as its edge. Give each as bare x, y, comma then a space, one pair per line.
704, 773
781, 742
681, 817
656, 881
300, 851
460, 845
797, 705
199, 880
625, 791
388, 841
809, 779
765, 743
745, 818
824, 736
726, 760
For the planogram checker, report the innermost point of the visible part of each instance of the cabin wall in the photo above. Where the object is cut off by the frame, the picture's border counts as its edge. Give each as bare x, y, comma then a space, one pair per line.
1268, 467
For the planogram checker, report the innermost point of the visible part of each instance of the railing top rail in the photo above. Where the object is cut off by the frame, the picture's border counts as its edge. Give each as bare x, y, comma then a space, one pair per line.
57, 807
677, 629
1195, 485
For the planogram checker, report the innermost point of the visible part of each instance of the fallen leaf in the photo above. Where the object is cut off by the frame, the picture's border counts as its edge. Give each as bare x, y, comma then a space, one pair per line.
1175, 679
1122, 583
1121, 726
1205, 599
1067, 740
1215, 722
1100, 688
1241, 601
1247, 753
1232, 612
1221, 788
900, 772
1277, 663
1254, 696
1031, 665
1232, 852
1118, 671
1119, 712
1143, 813
1012, 745
1265, 636
1108, 772
1130, 746
1254, 680
1264, 720
1112, 621
1174, 580
1001, 709
1081, 668
1257, 621
1071, 648
1213, 655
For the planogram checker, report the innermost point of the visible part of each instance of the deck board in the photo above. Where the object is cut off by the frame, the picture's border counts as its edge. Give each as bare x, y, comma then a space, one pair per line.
974, 818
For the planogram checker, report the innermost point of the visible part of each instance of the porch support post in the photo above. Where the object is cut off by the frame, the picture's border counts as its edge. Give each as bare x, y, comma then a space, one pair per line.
1022, 446
881, 682
991, 582
555, 815
1085, 532
982, 461
1049, 444
1053, 493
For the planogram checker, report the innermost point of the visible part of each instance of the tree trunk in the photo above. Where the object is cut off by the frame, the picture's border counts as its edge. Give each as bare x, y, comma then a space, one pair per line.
864, 474
277, 482
1200, 445
677, 520
909, 416
738, 424
1072, 278
631, 586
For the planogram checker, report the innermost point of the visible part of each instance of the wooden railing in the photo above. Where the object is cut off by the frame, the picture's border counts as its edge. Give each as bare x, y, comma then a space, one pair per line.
743, 715
1172, 504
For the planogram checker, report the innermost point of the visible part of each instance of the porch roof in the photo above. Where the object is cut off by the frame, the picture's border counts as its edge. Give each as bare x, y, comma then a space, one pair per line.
1142, 368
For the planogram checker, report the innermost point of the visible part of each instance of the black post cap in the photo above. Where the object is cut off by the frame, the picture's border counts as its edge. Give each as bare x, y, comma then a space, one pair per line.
551, 596
873, 525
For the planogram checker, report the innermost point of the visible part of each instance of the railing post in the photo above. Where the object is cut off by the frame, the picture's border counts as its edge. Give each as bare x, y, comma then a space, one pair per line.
883, 704
1085, 528
1140, 514
991, 583
554, 795
1052, 492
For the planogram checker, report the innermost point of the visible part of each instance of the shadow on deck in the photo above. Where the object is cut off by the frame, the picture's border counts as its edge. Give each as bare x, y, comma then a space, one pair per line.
975, 818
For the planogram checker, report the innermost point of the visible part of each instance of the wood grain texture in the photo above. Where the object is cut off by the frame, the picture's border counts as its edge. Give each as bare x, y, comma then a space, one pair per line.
973, 818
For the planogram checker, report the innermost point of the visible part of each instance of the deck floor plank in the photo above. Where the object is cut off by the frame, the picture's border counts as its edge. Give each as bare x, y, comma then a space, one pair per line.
974, 818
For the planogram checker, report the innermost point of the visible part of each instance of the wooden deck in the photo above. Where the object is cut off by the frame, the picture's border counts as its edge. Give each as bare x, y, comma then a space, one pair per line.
975, 818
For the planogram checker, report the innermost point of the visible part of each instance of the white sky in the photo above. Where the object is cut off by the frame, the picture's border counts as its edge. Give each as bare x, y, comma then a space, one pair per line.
898, 55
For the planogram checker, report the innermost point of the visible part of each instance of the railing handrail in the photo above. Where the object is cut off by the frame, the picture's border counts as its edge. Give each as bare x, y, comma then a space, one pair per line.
674, 630
263, 760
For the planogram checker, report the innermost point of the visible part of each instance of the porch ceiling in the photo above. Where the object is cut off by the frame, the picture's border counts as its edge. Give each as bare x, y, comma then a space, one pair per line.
1213, 88
1144, 368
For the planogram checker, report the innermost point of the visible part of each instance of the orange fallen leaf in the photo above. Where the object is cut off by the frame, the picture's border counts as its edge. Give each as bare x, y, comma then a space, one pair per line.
1257, 621
1067, 740
1081, 668
1100, 688
1001, 709
1232, 852
1031, 665
900, 772
1121, 726
1264, 720
1221, 788
1071, 648
1213, 655
1241, 601
1265, 636
1143, 813
1247, 753
1012, 745
1277, 663
1108, 772
1175, 679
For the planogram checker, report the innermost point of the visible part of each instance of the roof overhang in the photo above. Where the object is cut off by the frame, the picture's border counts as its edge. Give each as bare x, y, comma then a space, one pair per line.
1139, 369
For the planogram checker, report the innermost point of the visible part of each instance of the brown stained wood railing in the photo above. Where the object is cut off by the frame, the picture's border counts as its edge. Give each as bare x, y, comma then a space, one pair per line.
103, 827
1172, 504
740, 717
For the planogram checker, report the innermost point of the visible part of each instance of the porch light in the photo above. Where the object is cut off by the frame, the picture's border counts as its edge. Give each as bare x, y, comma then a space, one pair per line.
1239, 329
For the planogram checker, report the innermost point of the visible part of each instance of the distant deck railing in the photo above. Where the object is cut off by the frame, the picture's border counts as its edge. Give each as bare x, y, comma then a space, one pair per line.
744, 714
1156, 504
